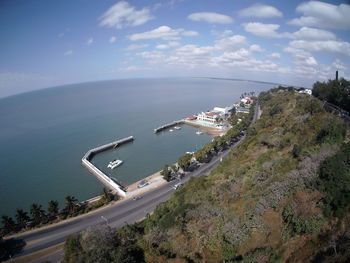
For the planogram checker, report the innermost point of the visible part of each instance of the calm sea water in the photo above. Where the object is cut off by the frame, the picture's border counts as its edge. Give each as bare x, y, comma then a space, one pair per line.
44, 134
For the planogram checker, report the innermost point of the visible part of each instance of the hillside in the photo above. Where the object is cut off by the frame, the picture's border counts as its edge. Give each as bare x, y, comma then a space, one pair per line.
282, 195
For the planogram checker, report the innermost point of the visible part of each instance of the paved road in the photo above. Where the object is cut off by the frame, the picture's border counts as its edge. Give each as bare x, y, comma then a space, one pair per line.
117, 215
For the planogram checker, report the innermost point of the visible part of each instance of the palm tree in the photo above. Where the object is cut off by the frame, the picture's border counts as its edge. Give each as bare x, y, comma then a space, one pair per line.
71, 203
22, 218
53, 208
8, 224
38, 214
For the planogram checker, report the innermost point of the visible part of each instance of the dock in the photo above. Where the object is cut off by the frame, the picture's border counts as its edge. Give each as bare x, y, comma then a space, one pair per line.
109, 182
166, 126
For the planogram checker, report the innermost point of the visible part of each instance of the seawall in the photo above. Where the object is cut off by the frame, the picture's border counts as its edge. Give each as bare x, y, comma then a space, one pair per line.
103, 178
166, 126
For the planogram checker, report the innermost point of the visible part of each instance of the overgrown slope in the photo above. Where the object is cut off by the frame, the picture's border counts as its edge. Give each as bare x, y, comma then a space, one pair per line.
282, 195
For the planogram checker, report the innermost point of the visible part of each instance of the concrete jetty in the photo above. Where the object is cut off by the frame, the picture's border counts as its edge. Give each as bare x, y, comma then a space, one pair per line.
110, 183
166, 126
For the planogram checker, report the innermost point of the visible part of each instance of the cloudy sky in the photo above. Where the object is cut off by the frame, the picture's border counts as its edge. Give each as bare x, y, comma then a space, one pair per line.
48, 43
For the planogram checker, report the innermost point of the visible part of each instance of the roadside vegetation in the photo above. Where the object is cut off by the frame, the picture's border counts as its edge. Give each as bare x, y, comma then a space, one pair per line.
38, 216
281, 195
335, 92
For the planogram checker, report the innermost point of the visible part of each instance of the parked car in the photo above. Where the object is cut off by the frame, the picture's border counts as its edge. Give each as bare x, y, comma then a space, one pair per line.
143, 184
177, 186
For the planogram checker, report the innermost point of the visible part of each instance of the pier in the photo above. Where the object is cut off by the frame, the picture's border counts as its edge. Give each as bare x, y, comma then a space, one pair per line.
169, 125
109, 182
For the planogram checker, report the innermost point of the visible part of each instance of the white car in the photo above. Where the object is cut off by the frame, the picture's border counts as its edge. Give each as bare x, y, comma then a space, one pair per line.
143, 184
177, 186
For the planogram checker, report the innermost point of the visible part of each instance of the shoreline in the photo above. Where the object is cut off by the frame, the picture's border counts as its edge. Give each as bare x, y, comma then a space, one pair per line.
213, 132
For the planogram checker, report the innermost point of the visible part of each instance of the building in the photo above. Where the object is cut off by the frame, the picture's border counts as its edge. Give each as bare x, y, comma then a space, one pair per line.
191, 118
210, 117
242, 110
222, 111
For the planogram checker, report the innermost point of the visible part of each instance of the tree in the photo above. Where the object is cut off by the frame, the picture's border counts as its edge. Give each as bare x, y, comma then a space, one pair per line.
107, 195
166, 173
185, 161
53, 208
22, 218
38, 214
71, 203
336, 92
8, 224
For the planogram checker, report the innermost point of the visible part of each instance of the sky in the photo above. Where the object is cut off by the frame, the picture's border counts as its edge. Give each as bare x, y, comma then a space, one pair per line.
49, 43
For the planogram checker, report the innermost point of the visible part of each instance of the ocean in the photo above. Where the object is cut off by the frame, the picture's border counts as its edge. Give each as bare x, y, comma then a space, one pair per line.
45, 133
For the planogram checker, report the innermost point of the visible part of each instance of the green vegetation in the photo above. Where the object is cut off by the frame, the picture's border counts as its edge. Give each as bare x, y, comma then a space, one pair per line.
166, 173
335, 92
334, 181
38, 216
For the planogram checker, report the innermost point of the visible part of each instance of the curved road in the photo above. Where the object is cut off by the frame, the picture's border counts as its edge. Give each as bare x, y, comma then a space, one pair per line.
125, 212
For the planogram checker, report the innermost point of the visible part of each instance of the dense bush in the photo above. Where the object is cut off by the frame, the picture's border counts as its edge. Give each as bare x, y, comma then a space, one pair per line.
334, 181
336, 92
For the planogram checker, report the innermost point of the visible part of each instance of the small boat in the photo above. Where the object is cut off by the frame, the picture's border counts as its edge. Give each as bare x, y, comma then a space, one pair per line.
177, 128
199, 132
171, 130
115, 163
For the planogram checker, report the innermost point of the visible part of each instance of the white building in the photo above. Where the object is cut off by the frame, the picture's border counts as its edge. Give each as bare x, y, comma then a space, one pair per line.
222, 111
306, 91
208, 117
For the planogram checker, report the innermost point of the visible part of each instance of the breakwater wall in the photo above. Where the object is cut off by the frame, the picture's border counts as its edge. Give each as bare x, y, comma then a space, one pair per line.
166, 126
103, 178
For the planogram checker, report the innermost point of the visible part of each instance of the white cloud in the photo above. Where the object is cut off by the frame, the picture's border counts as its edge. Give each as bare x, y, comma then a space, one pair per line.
313, 33
210, 17
256, 48
68, 52
338, 65
190, 33
163, 32
122, 14
271, 31
230, 43
168, 45
333, 46
134, 68
275, 55
324, 15
136, 46
112, 39
261, 11
264, 30
89, 41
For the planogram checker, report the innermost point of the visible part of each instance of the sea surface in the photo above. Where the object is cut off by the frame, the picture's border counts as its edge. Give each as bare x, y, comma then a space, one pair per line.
44, 134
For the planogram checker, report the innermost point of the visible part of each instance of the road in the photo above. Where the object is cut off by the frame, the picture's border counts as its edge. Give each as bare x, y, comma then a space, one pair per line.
116, 215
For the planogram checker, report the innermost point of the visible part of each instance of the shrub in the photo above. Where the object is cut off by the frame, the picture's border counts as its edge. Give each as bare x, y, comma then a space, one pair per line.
334, 180
275, 110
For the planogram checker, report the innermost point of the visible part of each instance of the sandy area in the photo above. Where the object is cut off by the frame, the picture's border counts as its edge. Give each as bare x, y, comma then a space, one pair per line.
155, 179
210, 130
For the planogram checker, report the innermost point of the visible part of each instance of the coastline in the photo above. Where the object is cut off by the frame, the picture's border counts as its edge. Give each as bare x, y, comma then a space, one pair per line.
209, 130
155, 179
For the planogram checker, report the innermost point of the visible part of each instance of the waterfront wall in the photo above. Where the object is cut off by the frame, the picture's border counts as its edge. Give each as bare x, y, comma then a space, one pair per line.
166, 126
97, 172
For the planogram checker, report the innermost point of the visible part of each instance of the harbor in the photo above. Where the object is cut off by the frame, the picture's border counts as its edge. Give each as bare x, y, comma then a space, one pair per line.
168, 126
102, 177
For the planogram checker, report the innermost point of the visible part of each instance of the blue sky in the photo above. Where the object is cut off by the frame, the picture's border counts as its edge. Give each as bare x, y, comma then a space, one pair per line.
49, 43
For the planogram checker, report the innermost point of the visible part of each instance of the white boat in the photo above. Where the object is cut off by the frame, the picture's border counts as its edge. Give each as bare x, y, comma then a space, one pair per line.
171, 130
115, 163
199, 132
177, 128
